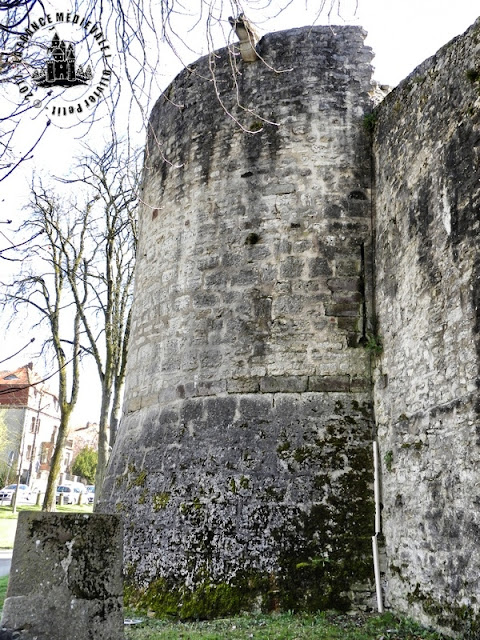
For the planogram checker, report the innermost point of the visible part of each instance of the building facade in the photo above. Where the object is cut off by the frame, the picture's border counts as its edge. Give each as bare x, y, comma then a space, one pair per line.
32, 417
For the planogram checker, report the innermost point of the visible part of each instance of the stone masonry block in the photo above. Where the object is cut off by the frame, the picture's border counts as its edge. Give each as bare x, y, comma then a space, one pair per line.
283, 384
243, 385
66, 577
329, 383
210, 387
348, 323
319, 267
343, 284
358, 385
342, 309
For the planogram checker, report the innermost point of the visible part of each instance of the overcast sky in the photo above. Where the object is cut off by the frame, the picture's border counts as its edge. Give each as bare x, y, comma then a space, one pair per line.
402, 34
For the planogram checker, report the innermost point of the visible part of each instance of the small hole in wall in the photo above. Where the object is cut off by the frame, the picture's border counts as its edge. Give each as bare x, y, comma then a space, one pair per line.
252, 238
247, 174
154, 214
357, 195
295, 225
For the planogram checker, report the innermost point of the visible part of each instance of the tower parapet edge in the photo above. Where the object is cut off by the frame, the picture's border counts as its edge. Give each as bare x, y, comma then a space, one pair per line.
243, 461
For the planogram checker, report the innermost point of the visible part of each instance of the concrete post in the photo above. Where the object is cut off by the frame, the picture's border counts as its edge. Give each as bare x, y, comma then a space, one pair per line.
66, 577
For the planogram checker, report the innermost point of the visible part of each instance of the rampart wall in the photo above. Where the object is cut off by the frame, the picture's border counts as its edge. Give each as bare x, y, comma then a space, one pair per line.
243, 464
427, 157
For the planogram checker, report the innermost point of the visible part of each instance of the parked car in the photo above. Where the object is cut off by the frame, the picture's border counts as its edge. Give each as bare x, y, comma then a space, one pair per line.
66, 492
24, 493
90, 493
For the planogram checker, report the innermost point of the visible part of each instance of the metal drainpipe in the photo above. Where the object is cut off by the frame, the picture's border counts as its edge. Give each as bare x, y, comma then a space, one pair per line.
376, 562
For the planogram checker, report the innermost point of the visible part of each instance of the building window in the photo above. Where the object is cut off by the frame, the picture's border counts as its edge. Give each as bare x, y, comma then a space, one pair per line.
29, 452
44, 453
32, 426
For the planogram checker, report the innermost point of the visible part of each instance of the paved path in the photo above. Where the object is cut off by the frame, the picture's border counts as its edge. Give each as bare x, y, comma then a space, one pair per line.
5, 561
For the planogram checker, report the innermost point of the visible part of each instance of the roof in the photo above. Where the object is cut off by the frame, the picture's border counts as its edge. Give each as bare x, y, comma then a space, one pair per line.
21, 376
15, 385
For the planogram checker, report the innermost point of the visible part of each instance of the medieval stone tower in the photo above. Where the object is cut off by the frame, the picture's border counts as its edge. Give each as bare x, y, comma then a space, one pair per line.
243, 465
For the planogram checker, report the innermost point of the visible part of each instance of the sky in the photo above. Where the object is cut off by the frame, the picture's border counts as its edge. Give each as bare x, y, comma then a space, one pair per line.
402, 34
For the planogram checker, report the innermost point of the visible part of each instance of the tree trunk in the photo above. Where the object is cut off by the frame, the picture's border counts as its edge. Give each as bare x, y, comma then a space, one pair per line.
103, 447
50, 495
115, 415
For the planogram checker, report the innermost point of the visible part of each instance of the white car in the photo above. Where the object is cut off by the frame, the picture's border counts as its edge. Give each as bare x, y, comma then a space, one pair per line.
66, 492
24, 493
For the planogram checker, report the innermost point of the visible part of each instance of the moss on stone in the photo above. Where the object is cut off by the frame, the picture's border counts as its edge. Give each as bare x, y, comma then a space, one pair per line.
206, 601
473, 75
283, 447
463, 620
140, 479
136, 479
301, 454
191, 508
244, 482
160, 500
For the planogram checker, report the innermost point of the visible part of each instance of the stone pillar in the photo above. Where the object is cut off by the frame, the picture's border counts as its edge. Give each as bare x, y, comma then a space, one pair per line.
66, 577
243, 463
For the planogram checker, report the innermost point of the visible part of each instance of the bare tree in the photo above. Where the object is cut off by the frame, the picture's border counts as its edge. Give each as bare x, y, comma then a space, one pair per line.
78, 278
103, 287
41, 287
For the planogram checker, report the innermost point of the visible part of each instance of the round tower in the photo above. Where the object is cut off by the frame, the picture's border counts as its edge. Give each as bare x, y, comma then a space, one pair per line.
242, 464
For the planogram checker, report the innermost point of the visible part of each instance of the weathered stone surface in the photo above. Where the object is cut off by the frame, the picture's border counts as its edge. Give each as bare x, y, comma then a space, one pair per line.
66, 578
234, 490
428, 300
241, 480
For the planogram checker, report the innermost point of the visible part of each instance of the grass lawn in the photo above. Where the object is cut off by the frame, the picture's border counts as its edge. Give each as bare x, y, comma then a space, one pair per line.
8, 520
3, 589
287, 626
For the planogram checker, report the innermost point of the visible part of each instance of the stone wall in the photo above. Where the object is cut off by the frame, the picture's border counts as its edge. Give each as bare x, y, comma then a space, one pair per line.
427, 154
243, 463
